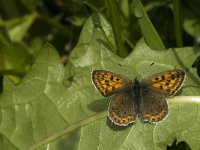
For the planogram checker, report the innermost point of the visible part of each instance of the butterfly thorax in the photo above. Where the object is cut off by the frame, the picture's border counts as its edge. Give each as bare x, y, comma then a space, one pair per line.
136, 92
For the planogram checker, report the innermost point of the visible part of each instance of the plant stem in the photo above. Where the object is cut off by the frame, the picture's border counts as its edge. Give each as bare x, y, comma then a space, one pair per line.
177, 23
68, 129
114, 19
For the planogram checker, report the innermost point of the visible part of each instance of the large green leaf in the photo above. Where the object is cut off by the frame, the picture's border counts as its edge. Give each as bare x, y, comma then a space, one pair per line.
58, 108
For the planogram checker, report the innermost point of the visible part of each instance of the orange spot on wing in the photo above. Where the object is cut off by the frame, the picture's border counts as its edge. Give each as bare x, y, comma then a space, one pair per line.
156, 118
121, 120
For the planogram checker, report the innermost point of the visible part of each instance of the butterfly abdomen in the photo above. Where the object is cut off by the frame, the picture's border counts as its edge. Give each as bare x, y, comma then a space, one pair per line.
136, 90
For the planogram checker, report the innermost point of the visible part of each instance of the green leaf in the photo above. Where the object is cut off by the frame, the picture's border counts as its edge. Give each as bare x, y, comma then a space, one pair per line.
29, 110
149, 32
30, 5
191, 21
18, 26
58, 108
77, 20
15, 60
4, 36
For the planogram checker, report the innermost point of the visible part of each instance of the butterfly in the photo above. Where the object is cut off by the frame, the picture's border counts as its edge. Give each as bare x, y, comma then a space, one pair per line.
133, 98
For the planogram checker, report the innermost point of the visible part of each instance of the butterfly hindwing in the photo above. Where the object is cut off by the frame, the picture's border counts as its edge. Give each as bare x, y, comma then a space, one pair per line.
121, 109
154, 106
109, 83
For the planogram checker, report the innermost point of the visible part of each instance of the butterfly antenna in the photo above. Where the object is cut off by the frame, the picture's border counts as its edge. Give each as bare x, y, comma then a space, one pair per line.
146, 69
128, 73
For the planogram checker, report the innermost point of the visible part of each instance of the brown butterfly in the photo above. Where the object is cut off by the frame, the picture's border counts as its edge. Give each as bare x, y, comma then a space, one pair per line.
133, 98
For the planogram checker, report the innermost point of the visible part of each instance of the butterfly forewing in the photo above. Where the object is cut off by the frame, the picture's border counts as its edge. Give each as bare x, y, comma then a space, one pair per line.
121, 109
167, 82
109, 83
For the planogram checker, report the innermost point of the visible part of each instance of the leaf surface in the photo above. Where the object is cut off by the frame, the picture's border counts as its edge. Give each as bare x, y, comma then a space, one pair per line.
59, 108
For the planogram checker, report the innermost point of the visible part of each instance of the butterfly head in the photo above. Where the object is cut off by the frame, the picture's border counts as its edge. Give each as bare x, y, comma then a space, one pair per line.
136, 81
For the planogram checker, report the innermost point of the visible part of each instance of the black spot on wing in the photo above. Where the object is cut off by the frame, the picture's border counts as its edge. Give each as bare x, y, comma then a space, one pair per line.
163, 77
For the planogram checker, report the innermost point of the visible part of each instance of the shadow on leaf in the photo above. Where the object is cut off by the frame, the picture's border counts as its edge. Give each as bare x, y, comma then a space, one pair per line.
99, 105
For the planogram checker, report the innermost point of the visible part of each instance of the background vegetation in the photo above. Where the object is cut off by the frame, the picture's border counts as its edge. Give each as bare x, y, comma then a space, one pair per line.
47, 99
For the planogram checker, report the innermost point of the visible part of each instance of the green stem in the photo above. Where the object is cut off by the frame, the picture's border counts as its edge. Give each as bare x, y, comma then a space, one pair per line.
177, 23
184, 99
114, 19
68, 129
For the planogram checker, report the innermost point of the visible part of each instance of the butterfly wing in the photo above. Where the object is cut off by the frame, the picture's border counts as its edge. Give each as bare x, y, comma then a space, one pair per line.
109, 83
167, 82
154, 106
121, 110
